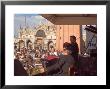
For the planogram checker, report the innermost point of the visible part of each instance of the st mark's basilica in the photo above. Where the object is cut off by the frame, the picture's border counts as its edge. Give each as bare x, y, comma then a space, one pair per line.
42, 37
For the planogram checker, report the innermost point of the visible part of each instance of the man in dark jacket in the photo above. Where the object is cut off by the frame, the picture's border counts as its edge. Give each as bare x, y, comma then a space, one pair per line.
19, 69
75, 50
74, 47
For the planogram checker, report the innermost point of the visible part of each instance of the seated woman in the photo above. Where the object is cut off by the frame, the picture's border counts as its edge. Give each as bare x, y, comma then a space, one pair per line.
61, 67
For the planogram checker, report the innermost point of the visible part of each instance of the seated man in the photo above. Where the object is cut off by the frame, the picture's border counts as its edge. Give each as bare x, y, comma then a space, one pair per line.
62, 66
19, 69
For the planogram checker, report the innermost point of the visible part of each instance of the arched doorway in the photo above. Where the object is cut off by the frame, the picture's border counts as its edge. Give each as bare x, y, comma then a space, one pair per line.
28, 43
21, 44
39, 42
40, 33
50, 45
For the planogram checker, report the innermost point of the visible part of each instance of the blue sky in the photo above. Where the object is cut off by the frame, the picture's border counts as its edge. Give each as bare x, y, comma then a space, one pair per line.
32, 20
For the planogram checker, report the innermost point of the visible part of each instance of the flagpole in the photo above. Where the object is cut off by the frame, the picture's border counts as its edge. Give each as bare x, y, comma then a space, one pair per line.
25, 21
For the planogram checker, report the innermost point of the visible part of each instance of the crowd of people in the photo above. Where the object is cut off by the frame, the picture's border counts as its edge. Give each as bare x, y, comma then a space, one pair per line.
53, 62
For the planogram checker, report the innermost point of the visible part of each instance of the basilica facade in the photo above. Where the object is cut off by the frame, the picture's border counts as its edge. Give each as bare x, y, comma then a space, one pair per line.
42, 37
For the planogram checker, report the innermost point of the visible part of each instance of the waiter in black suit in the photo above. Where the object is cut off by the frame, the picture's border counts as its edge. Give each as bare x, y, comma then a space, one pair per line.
75, 50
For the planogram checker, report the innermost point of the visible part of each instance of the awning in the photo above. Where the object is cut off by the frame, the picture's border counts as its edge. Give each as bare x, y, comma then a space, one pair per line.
70, 19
